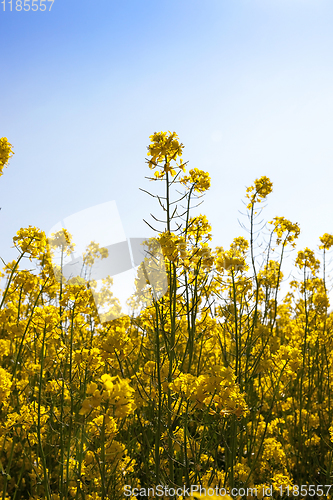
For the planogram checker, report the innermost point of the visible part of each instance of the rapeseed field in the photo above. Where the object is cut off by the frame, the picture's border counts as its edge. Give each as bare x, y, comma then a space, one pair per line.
222, 382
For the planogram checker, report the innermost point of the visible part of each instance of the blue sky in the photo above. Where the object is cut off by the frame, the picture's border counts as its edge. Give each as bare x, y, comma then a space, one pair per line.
246, 84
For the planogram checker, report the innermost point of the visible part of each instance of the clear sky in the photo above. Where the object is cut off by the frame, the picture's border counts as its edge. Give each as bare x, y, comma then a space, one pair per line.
246, 84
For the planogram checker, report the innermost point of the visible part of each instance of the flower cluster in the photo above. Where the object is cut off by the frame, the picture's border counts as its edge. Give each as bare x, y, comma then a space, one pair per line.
326, 241
259, 192
285, 231
164, 149
6, 152
199, 179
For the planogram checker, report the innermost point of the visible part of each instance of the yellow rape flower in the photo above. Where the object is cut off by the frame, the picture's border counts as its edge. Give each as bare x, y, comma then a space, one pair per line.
32, 241
234, 259
119, 394
5, 385
6, 152
168, 242
327, 241
103, 424
306, 258
165, 147
93, 252
199, 179
199, 229
186, 384
261, 189
271, 275
285, 230
62, 239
